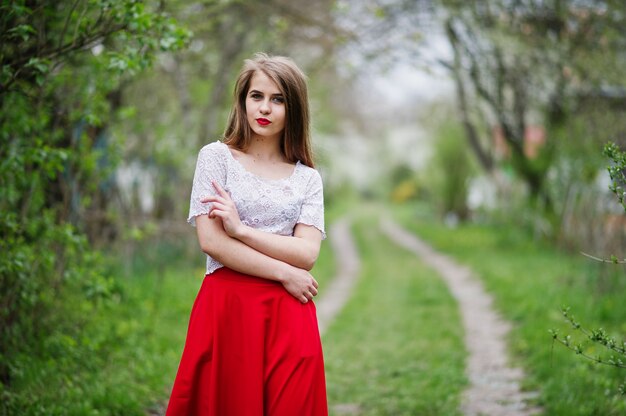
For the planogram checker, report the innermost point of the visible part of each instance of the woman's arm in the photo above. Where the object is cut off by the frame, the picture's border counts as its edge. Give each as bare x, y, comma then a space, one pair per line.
300, 250
240, 257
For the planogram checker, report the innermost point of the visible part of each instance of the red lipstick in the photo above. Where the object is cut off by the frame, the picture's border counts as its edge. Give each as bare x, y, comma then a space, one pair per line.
263, 121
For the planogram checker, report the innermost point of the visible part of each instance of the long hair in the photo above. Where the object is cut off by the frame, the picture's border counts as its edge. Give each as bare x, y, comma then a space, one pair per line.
291, 81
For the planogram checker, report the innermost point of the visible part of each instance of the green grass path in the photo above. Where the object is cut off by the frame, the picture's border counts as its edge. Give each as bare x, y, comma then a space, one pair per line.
397, 346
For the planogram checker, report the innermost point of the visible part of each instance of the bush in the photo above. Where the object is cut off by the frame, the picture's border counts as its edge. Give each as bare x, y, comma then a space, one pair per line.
451, 171
61, 72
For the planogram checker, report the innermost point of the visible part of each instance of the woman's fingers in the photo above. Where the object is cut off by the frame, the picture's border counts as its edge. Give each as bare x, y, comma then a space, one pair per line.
213, 199
218, 204
220, 190
301, 285
305, 295
310, 294
221, 196
312, 290
219, 207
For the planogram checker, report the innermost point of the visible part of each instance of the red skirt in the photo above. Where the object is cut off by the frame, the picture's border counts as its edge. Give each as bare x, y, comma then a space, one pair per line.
251, 349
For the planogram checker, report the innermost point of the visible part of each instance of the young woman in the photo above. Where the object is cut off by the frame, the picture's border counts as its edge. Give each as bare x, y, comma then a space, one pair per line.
253, 344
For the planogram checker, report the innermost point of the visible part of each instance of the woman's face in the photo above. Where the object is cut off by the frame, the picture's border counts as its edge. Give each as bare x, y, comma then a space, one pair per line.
265, 107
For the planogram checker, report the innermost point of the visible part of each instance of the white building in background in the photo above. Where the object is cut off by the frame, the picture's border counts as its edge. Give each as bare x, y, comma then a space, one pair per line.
137, 185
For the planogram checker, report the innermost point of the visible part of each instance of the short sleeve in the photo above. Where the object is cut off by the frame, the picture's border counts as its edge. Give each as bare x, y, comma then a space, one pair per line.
312, 211
211, 166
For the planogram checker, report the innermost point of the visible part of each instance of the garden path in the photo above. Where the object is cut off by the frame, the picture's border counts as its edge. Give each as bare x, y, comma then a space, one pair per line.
494, 388
340, 287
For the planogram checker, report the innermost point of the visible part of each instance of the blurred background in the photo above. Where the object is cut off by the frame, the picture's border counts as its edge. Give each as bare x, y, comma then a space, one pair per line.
482, 126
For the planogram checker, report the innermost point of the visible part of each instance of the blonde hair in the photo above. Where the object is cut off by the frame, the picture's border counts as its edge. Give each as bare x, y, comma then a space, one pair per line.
291, 81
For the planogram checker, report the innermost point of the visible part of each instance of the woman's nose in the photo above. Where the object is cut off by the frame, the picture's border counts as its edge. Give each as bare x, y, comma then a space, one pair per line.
265, 107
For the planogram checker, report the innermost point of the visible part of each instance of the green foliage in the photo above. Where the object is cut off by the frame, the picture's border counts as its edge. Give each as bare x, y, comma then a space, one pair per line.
613, 354
452, 170
617, 172
60, 75
123, 358
599, 337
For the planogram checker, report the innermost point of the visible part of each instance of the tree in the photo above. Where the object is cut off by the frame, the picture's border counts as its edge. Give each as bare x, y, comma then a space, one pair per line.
63, 64
518, 63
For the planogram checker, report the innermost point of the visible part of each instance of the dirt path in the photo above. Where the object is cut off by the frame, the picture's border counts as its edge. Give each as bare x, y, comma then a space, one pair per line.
494, 385
340, 287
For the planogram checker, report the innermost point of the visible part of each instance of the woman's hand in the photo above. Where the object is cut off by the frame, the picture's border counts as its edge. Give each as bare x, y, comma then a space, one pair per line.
225, 209
300, 284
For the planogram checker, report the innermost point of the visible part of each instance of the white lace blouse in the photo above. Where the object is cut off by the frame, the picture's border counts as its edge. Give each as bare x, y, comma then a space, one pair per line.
271, 205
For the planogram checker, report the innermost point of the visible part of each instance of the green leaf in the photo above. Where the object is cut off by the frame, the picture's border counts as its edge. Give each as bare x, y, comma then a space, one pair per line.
40, 65
23, 31
6, 74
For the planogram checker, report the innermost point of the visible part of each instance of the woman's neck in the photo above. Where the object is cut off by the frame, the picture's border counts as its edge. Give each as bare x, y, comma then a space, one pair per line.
266, 149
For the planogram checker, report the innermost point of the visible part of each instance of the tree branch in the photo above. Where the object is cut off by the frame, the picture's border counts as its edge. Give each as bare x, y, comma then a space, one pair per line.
613, 259
19, 64
67, 23
470, 131
578, 350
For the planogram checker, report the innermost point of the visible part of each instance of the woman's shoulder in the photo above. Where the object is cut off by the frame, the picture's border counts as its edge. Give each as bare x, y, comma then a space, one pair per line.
213, 149
311, 175
308, 169
216, 146
213, 156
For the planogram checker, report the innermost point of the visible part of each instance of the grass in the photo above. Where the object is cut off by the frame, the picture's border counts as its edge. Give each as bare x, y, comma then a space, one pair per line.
396, 348
126, 355
162, 302
531, 281
324, 269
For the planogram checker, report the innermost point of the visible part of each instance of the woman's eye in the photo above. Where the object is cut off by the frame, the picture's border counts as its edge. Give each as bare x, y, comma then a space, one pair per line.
256, 96
279, 100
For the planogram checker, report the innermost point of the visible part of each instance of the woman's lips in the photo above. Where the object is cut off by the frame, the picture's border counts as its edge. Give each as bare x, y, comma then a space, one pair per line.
263, 121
